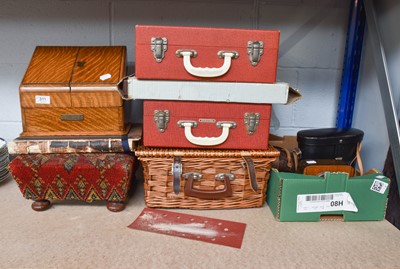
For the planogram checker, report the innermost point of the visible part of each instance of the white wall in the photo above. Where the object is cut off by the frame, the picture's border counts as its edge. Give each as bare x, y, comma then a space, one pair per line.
312, 44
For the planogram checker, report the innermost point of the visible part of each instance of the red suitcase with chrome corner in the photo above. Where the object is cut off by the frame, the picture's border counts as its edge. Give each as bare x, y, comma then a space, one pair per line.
181, 124
199, 53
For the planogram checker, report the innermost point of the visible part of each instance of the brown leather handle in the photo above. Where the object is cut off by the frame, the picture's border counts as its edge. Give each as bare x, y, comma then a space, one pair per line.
214, 194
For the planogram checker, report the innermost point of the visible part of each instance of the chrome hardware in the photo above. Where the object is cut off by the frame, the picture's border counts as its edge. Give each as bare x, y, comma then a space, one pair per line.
221, 54
251, 121
158, 46
161, 117
193, 53
232, 123
182, 122
221, 176
255, 49
196, 176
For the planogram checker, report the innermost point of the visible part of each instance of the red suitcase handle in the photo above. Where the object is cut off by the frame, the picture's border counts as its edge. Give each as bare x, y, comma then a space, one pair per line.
207, 72
206, 141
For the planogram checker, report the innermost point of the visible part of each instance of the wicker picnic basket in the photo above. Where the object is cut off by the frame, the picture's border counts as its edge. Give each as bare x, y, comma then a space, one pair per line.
204, 178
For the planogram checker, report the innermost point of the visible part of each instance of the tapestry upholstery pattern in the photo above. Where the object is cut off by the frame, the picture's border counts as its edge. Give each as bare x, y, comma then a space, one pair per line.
87, 177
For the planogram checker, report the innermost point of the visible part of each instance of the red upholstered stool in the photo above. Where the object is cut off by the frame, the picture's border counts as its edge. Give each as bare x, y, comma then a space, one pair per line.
86, 177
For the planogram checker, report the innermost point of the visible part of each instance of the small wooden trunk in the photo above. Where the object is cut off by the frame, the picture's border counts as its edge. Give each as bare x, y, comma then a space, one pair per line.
73, 91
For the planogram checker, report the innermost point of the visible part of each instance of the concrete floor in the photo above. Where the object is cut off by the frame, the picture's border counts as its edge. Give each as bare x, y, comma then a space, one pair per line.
79, 235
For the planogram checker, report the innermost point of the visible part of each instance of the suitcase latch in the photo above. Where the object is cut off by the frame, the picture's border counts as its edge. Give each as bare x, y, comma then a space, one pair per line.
255, 49
251, 121
158, 46
161, 117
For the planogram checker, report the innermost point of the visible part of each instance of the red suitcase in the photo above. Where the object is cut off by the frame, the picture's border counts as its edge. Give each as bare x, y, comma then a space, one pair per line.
196, 53
179, 124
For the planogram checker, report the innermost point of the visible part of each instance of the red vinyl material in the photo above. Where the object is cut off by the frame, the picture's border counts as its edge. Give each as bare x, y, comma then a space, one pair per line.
206, 114
207, 42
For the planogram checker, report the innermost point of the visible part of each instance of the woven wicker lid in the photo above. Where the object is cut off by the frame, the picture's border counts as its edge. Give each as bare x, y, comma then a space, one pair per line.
171, 152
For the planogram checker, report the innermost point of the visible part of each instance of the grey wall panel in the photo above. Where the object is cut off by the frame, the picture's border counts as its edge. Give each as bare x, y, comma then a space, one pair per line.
26, 24
10, 78
218, 14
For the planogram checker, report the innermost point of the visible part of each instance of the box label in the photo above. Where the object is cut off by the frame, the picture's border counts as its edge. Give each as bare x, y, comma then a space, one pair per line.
325, 202
105, 77
43, 100
379, 186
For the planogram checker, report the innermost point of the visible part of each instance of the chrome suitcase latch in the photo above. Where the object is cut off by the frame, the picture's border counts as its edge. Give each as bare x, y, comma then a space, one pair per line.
158, 46
251, 121
255, 49
161, 118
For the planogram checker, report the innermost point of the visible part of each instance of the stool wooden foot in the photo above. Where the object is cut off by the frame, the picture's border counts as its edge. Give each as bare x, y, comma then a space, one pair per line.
115, 206
41, 205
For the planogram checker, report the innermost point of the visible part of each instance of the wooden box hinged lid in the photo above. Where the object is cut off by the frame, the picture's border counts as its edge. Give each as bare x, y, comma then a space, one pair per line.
72, 76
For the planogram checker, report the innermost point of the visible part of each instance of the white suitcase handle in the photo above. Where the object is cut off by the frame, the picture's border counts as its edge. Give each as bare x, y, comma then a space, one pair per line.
207, 72
206, 141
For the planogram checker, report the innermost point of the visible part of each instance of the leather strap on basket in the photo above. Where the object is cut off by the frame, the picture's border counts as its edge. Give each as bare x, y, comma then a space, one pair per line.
251, 171
176, 172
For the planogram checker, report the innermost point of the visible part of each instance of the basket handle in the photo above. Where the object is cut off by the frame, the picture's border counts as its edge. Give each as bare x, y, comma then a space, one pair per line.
207, 72
214, 194
206, 141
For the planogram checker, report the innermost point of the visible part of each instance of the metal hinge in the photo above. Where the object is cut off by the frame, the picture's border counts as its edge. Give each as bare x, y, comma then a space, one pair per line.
255, 49
161, 118
158, 46
251, 121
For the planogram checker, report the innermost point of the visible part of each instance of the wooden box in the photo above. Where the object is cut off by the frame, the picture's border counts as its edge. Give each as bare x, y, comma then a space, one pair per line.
73, 91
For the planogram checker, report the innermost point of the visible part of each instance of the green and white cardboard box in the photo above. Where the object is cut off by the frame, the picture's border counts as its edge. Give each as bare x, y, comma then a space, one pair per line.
297, 197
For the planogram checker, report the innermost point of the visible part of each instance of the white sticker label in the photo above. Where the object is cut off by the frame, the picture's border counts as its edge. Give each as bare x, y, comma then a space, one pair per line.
44, 100
379, 186
311, 162
325, 202
105, 77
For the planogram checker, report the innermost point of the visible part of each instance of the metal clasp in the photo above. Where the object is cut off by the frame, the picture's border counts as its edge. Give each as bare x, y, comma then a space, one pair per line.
251, 121
196, 176
220, 124
255, 49
192, 53
158, 46
221, 176
161, 118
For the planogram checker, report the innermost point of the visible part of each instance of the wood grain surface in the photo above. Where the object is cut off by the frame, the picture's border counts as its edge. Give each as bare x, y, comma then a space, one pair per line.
96, 99
96, 121
51, 66
94, 62
75, 80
